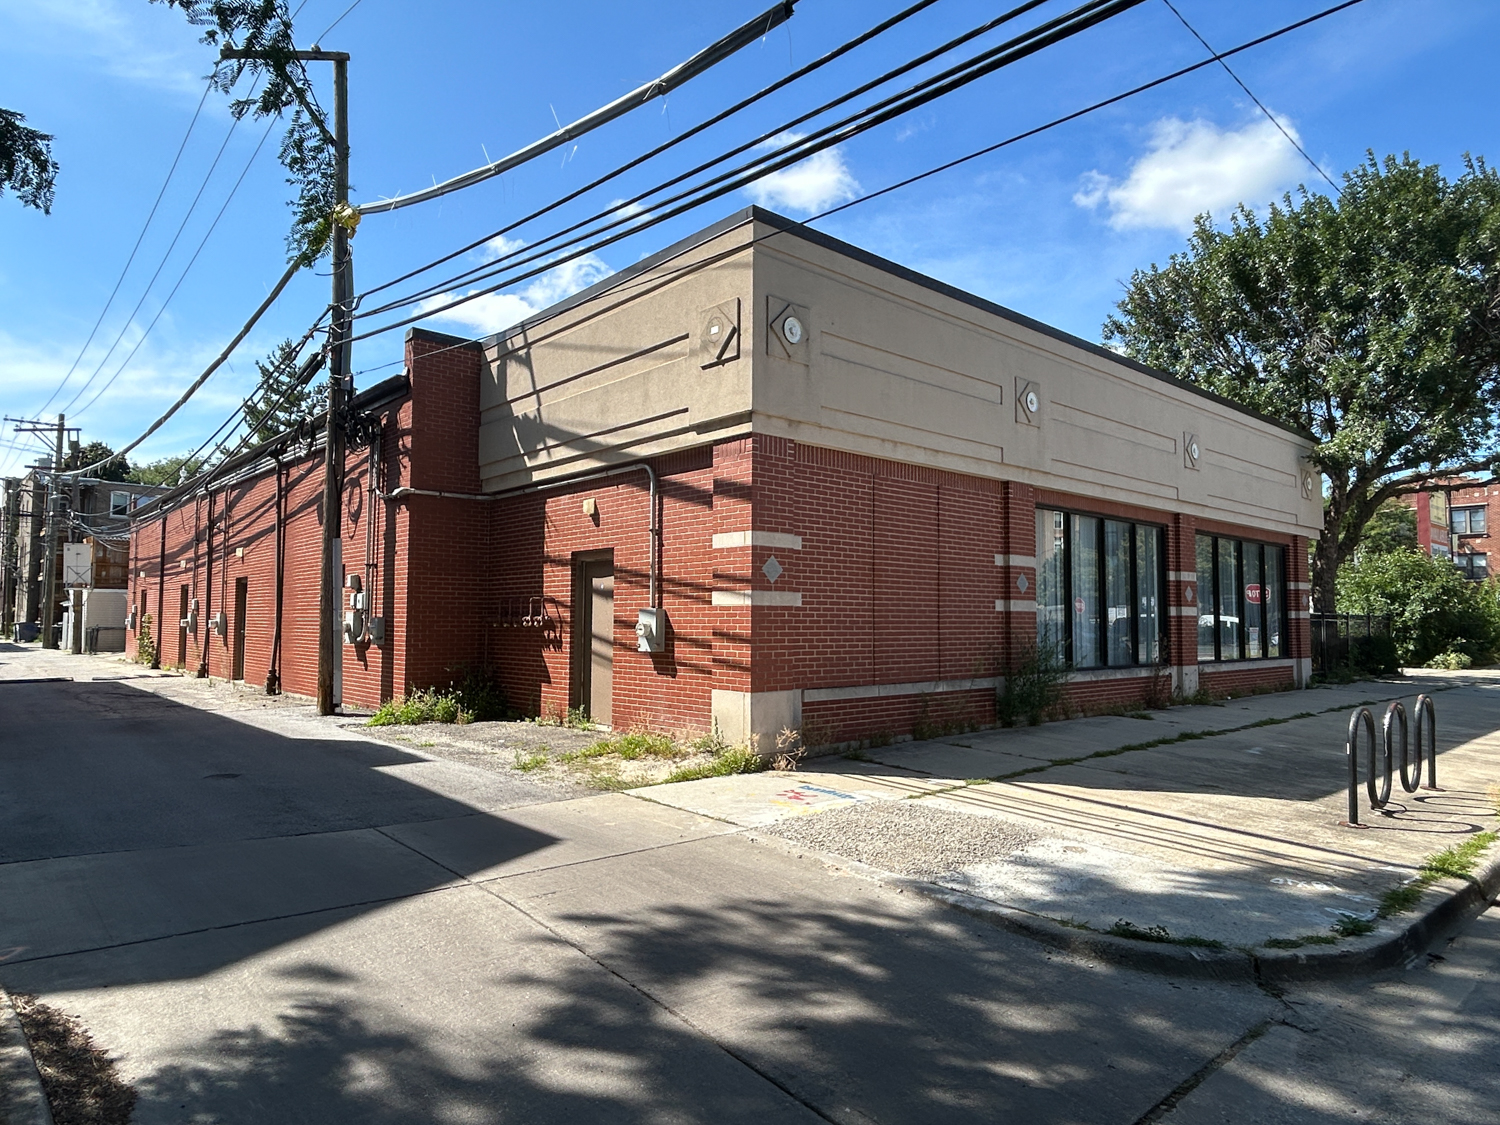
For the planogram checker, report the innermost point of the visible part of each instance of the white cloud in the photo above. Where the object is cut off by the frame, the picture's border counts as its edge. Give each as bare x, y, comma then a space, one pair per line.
814, 184
494, 312
1192, 167
128, 40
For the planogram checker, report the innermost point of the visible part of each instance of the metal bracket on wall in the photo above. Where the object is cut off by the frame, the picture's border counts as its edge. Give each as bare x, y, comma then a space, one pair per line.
719, 334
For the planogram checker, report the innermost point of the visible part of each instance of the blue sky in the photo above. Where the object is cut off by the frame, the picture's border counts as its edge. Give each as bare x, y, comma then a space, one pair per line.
1051, 227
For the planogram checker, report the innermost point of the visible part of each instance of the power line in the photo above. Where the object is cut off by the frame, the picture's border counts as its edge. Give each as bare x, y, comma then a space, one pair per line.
1251, 95
133, 250
743, 103
181, 277
336, 22
769, 135
1248, 45
1013, 50
182, 226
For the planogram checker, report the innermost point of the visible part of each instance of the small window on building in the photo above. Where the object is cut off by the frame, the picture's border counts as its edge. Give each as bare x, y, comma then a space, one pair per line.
1473, 566
1440, 551
1100, 585
119, 503
1469, 521
1241, 599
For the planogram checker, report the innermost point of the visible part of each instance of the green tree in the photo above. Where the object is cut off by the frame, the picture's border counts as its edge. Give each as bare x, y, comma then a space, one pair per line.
1372, 321
307, 151
26, 164
92, 454
278, 401
1433, 608
1393, 527
166, 470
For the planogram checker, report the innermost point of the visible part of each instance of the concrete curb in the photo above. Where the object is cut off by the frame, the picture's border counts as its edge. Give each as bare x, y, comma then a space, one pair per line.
22, 1101
1445, 905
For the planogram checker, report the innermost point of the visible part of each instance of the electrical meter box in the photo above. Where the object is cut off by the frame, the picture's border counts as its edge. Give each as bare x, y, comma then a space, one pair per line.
651, 630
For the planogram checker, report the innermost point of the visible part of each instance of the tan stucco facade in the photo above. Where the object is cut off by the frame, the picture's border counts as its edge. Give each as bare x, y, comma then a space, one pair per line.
888, 364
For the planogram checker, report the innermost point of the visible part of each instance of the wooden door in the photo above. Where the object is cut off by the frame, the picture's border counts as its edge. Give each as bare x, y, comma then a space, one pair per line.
593, 637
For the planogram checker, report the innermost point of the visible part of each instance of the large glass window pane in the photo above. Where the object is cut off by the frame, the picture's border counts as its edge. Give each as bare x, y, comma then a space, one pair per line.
1205, 547
1119, 622
1148, 585
1051, 584
1273, 597
1085, 559
1254, 602
1229, 599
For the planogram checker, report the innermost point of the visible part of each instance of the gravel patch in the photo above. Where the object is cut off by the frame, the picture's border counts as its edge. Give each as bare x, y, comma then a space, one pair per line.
915, 838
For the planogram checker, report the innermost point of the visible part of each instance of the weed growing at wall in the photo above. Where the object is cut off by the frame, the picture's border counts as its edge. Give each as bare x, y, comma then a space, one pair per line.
1033, 688
422, 706
145, 644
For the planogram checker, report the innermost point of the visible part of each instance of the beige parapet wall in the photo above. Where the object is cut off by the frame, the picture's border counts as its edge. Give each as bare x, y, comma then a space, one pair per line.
887, 363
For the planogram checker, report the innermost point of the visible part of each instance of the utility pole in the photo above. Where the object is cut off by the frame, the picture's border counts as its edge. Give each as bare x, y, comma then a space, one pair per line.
54, 502
54, 517
339, 391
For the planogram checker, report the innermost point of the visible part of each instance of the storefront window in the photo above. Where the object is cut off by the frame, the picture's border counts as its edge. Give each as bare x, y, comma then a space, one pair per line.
1051, 584
1148, 597
1100, 587
1242, 599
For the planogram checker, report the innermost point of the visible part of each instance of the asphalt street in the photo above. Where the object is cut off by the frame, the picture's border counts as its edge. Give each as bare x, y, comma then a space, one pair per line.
266, 917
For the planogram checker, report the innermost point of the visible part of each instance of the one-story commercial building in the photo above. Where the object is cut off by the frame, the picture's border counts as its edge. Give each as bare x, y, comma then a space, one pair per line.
761, 479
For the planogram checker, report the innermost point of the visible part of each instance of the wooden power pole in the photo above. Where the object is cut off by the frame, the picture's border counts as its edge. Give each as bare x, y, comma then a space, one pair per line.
330, 598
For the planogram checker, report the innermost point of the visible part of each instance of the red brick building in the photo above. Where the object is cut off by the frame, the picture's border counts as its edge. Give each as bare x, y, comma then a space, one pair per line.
1457, 522
761, 479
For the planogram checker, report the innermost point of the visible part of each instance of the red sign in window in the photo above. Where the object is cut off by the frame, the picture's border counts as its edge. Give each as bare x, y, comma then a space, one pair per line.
1252, 594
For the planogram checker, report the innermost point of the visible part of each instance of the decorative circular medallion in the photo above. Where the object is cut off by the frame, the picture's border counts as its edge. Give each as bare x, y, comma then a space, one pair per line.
791, 328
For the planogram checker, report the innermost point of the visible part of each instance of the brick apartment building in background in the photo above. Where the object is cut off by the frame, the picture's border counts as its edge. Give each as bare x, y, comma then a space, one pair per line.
762, 479
1457, 521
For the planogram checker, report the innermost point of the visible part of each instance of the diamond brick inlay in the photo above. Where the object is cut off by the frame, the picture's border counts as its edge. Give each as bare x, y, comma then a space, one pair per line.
772, 570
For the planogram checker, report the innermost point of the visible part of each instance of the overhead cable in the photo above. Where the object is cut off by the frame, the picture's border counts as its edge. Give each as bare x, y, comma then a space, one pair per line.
1013, 50
769, 136
767, 21
1054, 123
1291, 140
763, 92
291, 271
124, 363
182, 226
113, 293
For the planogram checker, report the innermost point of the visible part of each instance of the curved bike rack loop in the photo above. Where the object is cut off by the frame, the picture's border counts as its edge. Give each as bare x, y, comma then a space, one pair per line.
1381, 762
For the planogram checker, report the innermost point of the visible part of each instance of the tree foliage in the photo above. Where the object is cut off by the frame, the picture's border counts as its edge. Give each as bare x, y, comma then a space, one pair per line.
26, 164
279, 402
308, 151
166, 470
1393, 527
1433, 609
1371, 321
94, 452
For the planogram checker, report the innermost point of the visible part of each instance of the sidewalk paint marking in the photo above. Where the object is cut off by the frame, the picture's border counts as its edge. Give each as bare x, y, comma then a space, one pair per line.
807, 798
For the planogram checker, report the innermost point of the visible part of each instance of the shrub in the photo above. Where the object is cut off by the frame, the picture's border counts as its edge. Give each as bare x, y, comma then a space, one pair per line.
1453, 661
1373, 656
424, 705
1433, 608
1033, 688
145, 644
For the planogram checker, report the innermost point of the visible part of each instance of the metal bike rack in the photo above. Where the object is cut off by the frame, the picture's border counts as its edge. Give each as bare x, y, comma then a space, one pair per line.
1410, 768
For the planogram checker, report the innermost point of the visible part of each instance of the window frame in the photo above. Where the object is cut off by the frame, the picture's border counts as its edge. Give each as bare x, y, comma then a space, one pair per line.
1467, 512
124, 508
1212, 597
1163, 630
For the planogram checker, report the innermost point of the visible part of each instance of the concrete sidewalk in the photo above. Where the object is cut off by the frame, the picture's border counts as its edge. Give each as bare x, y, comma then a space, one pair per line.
1205, 839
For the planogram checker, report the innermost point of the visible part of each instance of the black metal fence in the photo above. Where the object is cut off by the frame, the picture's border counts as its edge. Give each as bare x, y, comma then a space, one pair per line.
1335, 636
